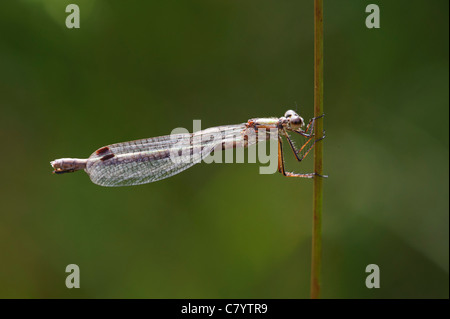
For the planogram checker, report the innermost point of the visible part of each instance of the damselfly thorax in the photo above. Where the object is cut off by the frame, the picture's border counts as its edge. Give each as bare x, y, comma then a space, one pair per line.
152, 159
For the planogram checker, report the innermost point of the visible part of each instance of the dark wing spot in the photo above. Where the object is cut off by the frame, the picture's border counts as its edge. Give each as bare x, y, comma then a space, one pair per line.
62, 171
102, 150
107, 157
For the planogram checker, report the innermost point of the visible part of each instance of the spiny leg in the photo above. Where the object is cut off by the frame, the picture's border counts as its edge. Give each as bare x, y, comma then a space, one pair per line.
280, 157
281, 163
310, 127
296, 152
293, 148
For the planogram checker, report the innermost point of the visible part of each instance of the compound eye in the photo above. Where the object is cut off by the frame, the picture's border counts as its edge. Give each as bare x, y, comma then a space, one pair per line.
290, 113
296, 122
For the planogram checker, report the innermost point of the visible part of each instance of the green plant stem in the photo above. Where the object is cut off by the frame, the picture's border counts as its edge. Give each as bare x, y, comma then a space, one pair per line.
316, 258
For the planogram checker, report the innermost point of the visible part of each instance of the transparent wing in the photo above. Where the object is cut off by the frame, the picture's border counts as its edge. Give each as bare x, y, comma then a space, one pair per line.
153, 159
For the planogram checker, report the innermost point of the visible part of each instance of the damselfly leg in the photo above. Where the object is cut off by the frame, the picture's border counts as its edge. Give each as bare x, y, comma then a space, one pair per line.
281, 163
304, 146
310, 127
301, 153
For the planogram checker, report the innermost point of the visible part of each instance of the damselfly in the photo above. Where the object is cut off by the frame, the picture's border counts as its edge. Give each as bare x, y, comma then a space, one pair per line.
152, 159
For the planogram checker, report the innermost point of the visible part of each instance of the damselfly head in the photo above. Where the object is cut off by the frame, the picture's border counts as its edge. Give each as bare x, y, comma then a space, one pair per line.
296, 122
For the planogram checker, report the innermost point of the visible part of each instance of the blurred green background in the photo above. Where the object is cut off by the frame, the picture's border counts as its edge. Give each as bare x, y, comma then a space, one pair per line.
138, 69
